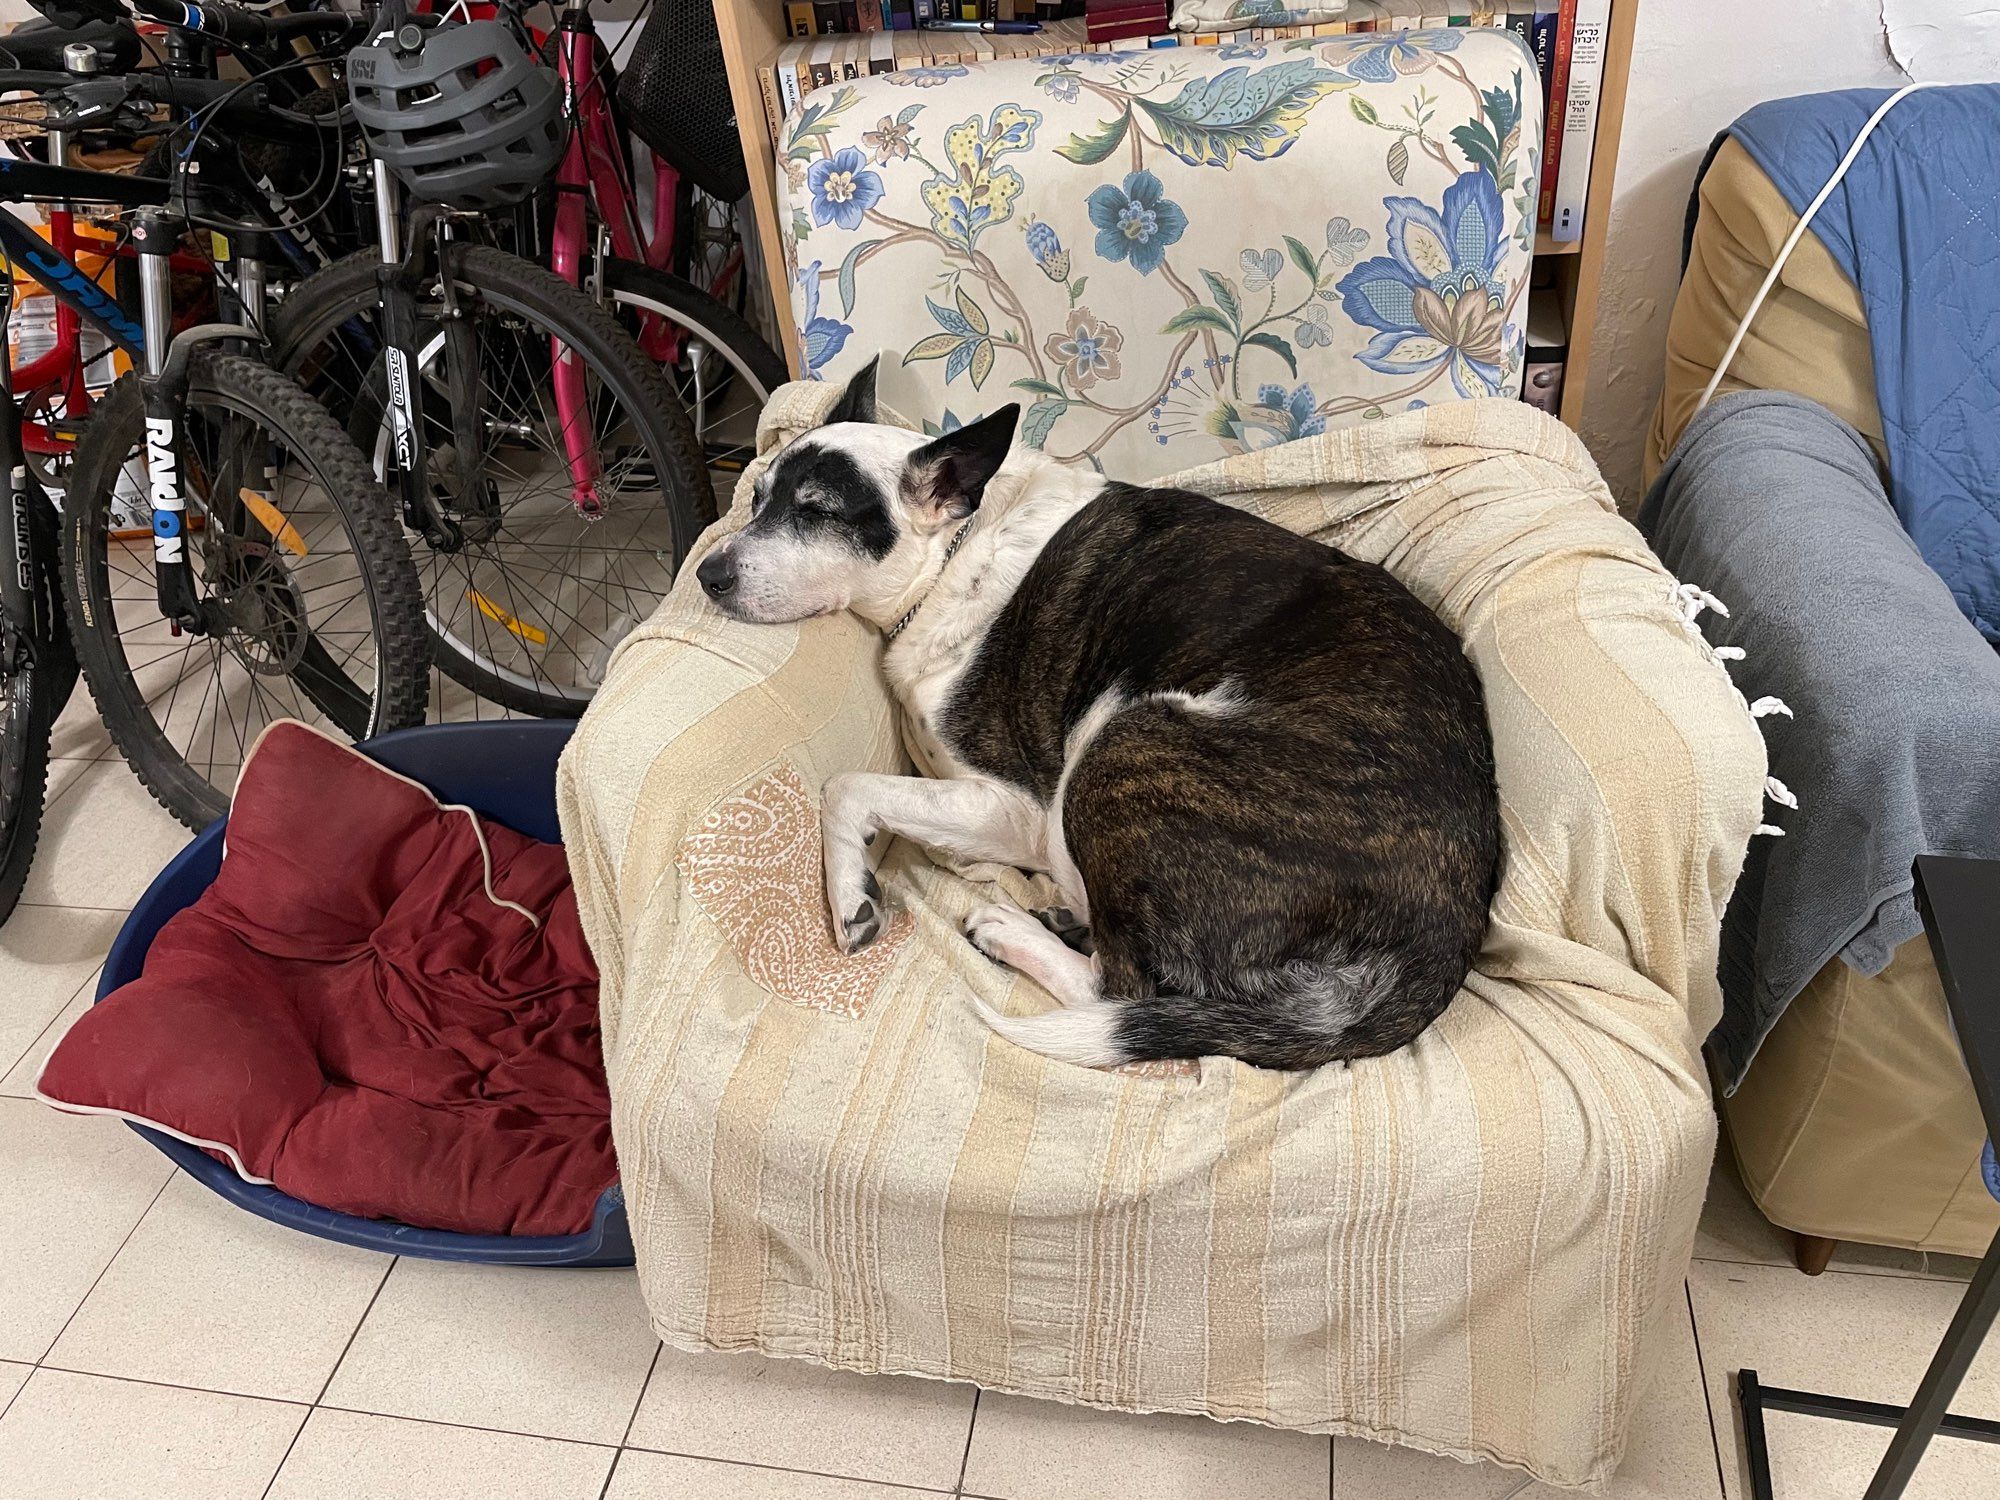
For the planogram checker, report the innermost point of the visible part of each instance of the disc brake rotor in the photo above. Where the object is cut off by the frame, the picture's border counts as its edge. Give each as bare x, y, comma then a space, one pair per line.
264, 612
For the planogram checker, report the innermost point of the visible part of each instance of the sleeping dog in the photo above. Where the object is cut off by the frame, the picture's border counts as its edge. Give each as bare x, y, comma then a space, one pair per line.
1257, 770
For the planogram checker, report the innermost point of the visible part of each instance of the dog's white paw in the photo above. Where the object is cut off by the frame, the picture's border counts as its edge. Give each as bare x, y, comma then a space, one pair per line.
853, 896
1002, 933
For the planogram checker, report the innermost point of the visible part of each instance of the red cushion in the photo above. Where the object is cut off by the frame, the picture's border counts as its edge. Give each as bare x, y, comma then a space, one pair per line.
352, 1014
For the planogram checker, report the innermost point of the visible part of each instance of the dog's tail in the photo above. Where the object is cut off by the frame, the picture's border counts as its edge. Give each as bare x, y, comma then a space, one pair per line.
1086, 1034
1290, 1016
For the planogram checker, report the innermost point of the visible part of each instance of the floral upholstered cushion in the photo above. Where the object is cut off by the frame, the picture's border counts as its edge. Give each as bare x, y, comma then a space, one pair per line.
1172, 254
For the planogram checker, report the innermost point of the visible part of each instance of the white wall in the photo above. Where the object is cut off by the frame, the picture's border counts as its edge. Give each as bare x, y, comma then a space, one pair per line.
1696, 66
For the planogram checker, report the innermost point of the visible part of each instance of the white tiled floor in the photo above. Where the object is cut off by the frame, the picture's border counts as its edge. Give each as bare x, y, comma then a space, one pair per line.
155, 1343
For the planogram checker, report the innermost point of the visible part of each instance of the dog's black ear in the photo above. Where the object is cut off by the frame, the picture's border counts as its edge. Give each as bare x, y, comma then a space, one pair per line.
857, 402
948, 475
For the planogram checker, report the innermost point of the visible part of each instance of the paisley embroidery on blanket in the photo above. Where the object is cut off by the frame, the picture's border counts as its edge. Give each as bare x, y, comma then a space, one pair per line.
754, 867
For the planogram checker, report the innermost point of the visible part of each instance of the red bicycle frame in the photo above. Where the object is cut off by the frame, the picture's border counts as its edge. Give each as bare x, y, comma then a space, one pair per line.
596, 168
60, 369
58, 372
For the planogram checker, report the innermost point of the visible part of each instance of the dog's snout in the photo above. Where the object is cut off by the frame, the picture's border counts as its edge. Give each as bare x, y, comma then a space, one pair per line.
717, 574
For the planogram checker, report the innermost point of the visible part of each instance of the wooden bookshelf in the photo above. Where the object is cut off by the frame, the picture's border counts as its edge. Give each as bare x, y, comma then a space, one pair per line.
1578, 267
752, 32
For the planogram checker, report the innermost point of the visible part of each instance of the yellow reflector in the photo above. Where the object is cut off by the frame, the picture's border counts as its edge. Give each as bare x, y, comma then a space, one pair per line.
521, 628
283, 532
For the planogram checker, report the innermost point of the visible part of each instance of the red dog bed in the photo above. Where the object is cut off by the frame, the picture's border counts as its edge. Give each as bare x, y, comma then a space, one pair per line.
382, 1005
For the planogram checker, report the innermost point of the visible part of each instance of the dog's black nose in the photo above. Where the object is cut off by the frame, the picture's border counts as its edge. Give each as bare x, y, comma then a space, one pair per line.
717, 574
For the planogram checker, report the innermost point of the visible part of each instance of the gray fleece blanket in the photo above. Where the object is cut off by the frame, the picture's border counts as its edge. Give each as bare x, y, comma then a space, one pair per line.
1774, 506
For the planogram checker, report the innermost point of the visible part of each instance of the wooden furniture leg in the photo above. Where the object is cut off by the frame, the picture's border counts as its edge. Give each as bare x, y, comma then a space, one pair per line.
1812, 1252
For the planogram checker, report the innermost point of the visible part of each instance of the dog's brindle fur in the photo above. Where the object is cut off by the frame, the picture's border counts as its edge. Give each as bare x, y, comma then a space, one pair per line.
1259, 766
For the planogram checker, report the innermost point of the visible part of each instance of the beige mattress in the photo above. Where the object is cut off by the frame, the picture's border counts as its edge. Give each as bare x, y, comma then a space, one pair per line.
1463, 1247
1857, 1120
1810, 336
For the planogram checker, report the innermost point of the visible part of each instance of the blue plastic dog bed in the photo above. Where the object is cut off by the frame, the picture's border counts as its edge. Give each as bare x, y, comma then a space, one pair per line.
502, 770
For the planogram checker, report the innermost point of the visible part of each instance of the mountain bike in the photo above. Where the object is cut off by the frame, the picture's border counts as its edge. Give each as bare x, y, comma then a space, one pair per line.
63, 362
548, 479
269, 580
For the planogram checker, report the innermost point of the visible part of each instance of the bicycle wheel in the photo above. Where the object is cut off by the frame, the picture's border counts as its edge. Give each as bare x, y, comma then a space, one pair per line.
718, 366
311, 596
527, 609
710, 247
36, 679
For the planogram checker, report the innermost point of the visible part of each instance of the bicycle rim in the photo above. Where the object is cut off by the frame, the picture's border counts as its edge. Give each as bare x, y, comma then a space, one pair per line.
296, 588
528, 610
721, 372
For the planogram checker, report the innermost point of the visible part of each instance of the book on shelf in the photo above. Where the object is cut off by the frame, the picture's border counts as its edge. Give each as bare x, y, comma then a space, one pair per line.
1579, 117
832, 41
1555, 87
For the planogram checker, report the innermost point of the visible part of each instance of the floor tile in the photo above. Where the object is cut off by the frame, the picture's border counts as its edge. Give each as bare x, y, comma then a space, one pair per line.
344, 1455
12, 1377
47, 954
90, 1438
553, 1353
1847, 1334
204, 1294
1734, 1232
660, 1476
103, 840
18, 1082
1041, 1450
71, 1189
1813, 1459
1374, 1471
1670, 1454
793, 1414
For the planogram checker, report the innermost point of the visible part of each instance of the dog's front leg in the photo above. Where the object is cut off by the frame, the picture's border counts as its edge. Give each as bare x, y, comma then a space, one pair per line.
968, 818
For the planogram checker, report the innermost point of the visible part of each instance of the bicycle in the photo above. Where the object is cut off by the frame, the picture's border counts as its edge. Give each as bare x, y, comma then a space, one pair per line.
276, 578
719, 367
548, 479
54, 386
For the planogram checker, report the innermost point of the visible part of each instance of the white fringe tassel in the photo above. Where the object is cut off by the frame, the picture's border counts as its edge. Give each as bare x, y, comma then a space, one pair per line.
1688, 601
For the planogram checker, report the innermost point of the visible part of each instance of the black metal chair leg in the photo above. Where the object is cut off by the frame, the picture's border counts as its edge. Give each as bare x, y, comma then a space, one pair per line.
1954, 1356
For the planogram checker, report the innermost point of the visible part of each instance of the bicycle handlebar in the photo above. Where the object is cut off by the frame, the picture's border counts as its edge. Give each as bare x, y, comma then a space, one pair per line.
233, 23
97, 102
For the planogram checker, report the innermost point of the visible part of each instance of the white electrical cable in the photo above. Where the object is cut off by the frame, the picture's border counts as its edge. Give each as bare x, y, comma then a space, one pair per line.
1798, 232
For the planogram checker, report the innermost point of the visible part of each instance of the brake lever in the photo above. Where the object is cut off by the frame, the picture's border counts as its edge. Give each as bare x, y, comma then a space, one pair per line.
94, 100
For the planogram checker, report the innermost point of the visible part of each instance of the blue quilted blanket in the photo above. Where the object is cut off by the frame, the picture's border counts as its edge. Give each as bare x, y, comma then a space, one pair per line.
1916, 226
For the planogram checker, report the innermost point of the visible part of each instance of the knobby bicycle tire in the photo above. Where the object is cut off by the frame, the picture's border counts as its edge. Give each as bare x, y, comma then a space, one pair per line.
344, 296
243, 389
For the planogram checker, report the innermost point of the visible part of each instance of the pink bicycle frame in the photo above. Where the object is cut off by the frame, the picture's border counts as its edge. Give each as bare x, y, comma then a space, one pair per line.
595, 169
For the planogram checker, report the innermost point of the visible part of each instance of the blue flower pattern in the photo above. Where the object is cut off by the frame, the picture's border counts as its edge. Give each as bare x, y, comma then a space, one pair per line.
819, 338
843, 189
1136, 222
1376, 58
1435, 299
1254, 331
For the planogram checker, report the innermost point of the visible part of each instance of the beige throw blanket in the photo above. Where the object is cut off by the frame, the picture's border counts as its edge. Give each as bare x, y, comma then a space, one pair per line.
1462, 1247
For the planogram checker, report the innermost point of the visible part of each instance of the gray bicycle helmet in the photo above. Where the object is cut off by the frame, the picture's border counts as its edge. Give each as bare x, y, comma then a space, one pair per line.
459, 112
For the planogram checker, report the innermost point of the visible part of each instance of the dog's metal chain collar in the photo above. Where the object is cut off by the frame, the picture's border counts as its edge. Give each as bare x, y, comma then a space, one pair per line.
911, 613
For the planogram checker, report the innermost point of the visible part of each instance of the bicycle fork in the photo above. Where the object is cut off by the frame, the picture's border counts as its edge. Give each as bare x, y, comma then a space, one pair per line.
165, 403
163, 388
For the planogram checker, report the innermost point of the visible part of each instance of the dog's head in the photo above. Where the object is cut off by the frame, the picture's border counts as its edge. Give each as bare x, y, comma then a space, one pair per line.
850, 513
